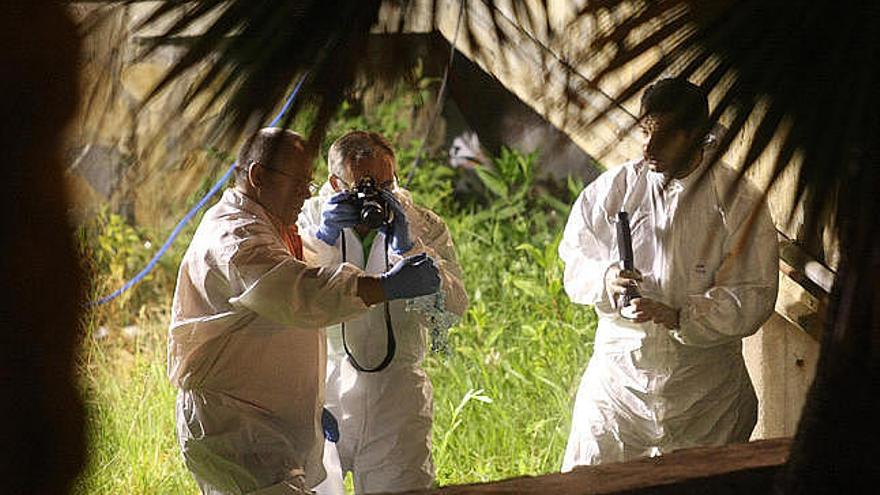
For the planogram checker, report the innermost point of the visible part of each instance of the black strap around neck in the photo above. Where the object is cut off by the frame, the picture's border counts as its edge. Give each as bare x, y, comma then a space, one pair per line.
391, 342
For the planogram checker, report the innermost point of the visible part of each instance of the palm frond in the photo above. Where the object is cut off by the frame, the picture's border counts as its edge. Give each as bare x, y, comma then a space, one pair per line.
806, 62
810, 64
255, 49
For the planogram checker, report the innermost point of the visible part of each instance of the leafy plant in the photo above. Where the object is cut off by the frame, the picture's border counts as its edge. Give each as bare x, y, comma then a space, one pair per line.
114, 251
511, 179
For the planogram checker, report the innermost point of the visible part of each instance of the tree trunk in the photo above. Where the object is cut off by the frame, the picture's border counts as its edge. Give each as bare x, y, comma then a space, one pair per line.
834, 448
41, 415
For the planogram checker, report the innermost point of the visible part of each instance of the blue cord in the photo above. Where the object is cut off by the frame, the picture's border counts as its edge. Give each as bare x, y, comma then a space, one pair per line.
192, 212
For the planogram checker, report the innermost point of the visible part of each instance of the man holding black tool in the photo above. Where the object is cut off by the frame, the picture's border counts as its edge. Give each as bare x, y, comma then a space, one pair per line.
376, 386
699, 275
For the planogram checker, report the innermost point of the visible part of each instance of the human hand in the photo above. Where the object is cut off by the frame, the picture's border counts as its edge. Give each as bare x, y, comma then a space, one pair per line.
646, 309
398, 229
411, 277
620, 282
330, 426
338, 213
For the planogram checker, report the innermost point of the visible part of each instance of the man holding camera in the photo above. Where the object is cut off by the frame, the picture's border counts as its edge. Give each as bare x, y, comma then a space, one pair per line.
667, 372
246, 344
375, 384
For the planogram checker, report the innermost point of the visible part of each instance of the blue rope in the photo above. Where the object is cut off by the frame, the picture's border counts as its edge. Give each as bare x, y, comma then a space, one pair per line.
192, 212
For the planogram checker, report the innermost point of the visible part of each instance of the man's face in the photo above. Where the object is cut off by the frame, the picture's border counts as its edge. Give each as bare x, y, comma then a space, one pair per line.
667, 148
379, 167
285, 185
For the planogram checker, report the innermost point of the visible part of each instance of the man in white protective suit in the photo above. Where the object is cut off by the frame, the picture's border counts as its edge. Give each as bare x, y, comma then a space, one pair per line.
671, 374
246, 346
381, 397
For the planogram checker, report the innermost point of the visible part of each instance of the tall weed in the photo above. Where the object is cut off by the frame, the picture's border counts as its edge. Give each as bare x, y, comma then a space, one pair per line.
130, 403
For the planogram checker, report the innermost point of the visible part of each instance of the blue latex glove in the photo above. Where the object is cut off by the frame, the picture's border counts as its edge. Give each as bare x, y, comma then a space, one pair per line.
398, 229
330, 426
410, 277
339, 213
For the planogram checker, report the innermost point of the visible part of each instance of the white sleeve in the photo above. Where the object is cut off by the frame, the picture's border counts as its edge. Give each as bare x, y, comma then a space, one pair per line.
277, 286
587, 258
431, 236
744, 293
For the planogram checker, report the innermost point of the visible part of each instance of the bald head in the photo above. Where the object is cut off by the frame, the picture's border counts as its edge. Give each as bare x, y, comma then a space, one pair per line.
272, 147
275, 169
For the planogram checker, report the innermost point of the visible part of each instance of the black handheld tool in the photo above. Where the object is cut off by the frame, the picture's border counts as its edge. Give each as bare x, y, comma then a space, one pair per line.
624, 247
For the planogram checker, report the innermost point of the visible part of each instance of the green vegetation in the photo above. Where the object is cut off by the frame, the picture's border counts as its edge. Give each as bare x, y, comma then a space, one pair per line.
133, 445
502, 394
502, 399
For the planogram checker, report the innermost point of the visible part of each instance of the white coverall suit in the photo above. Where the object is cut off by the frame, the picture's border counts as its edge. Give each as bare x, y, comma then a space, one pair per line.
649, 390
248, 351
384, 418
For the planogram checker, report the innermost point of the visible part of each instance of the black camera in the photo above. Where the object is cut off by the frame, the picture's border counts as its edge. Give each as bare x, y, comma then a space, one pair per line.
374, 211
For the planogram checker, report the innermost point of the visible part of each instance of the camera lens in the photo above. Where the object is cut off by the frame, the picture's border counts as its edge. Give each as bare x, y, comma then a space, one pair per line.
373, 211
372, 214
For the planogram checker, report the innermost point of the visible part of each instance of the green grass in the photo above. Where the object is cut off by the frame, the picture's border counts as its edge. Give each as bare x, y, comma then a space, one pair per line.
130, 403
502, 399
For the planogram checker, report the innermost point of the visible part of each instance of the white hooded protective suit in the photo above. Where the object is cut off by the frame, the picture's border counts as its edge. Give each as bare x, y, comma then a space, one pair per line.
385, 417
247, 350
649, 390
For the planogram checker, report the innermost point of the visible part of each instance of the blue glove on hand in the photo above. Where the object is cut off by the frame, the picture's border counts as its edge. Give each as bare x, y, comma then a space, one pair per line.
411, 277
330, 426
339, 213
398, 229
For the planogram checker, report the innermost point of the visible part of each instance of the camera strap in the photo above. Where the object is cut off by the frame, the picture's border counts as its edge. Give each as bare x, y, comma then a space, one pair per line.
392, 343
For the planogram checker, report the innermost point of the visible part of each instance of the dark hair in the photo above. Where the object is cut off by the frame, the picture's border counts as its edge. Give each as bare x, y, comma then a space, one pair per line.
679, 98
